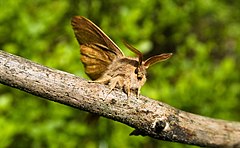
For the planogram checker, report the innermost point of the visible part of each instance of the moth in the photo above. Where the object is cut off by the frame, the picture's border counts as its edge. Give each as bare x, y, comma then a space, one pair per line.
104, 61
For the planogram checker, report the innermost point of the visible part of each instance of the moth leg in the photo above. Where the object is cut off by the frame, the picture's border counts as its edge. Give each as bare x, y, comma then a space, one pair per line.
103, 80
127, 89
138, 92
116, 81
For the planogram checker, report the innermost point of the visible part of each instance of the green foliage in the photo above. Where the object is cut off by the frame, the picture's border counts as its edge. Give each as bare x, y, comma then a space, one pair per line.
202, 76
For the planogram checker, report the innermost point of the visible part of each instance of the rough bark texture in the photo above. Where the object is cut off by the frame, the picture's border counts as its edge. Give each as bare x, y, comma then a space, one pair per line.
149, 117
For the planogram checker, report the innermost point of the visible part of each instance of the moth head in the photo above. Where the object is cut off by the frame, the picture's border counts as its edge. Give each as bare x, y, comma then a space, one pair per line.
140, 70
143, 65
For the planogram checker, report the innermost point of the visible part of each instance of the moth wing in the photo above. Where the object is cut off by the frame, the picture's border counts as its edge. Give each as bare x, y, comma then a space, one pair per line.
95, 60
97, 49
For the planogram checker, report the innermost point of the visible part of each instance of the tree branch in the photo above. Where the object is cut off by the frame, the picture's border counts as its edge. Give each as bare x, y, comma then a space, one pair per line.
149, 117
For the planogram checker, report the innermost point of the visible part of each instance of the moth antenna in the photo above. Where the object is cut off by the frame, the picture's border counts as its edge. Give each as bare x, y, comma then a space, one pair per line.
137, 52
157, 58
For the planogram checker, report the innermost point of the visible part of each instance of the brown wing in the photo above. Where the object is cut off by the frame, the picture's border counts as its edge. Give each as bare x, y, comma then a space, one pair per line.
97, 49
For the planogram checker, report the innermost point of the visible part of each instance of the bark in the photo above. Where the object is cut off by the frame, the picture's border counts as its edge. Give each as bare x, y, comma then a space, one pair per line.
149, 117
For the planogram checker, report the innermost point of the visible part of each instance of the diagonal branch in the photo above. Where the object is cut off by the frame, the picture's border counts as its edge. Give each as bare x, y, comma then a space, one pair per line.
149, 117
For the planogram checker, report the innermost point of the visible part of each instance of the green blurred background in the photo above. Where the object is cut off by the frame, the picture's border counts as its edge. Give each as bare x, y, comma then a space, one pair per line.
202, 77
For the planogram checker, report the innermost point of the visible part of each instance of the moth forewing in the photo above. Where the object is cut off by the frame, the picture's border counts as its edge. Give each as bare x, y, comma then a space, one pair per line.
97, 49
157, 58
87, 32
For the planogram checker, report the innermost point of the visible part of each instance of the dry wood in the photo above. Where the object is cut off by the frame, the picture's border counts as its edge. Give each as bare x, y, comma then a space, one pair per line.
149, 117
